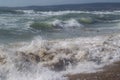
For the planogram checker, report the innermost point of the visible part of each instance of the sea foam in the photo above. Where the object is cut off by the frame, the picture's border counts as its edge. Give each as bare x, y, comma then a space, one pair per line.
52, 60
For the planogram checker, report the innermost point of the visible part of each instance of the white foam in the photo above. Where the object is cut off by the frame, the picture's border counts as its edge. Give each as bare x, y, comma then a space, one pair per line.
44, 74
72, 23
84, 55
28, 11
56, 13
57, 23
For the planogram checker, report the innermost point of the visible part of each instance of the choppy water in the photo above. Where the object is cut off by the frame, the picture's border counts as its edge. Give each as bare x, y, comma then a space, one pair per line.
16, 27
83, 42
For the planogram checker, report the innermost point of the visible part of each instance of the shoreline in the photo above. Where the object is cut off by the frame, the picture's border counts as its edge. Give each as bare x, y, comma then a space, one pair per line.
86, 54
110, 72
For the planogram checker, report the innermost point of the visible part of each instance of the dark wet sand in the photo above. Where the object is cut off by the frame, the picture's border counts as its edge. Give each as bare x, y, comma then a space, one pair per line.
111, 72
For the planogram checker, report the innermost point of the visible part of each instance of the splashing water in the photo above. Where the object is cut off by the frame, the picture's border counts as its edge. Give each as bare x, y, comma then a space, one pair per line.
24, 57
52, 60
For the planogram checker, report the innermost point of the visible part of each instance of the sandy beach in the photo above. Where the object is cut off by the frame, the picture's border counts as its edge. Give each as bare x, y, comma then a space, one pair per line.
111, 72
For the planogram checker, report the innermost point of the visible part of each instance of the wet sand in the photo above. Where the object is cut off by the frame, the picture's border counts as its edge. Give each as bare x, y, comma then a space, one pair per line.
111, 72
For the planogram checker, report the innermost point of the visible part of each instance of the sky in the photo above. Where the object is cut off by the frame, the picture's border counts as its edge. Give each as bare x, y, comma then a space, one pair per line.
11, 3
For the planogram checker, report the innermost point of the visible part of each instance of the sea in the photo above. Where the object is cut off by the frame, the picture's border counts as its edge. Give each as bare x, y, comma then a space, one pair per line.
49, 45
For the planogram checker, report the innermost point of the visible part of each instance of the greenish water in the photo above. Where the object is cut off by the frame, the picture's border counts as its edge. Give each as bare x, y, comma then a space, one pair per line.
64, 24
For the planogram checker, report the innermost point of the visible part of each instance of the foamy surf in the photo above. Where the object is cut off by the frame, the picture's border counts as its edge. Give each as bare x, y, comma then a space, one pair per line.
56, 13
53, 60
38, 59
72, 23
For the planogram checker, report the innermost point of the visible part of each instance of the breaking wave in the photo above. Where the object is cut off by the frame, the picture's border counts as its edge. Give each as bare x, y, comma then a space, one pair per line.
72, 12
53, 60
40, 59
56, 24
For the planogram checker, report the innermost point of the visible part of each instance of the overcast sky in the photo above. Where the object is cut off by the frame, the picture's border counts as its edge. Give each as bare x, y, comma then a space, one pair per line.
47, 2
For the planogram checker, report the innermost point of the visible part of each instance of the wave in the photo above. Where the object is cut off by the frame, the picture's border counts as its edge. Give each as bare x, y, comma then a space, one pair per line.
68, 12
38, 58
69, 23
84, 17
56, 24
73, 23
7, 11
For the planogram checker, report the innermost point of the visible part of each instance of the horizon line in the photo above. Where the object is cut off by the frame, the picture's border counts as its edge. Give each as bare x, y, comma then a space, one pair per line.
64, 4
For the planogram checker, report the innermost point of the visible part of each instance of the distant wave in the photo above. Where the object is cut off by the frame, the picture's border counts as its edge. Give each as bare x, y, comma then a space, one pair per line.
68, 12
82, 16
8, 11
31, 23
